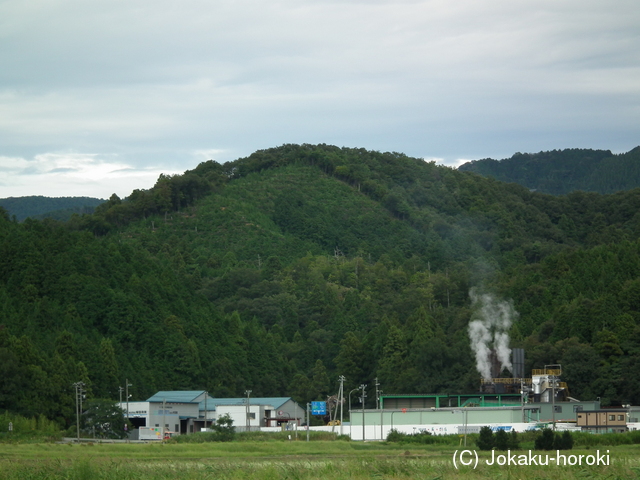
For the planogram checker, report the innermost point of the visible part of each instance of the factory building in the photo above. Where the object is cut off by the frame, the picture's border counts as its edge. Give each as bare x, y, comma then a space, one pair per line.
183, 412
516, 403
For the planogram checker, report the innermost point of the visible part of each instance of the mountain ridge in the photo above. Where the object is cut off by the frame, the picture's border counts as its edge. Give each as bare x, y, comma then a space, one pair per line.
282, 270
39, 206
560, 172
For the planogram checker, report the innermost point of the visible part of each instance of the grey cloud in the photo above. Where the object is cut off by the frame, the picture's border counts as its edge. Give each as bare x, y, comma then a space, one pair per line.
154, 82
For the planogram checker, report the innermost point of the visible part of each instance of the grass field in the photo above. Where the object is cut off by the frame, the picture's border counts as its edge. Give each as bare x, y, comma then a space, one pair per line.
282, 460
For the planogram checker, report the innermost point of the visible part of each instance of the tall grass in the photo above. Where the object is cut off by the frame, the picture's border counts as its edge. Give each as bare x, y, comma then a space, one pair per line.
290, 435
583, 439
395, 467
24, 429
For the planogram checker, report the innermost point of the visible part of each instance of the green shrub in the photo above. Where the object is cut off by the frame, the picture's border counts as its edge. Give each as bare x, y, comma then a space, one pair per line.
545, 441
563, 441
485, 440
501, 440
514, 442
585, 439
36, 429
422, 437
223, 431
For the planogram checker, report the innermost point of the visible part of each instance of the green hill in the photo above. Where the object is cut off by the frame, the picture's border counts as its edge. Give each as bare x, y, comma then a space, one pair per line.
562, 171
280, 271
39, 207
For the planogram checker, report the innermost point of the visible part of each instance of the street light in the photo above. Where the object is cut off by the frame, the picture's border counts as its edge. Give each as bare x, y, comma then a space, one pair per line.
127, 395
464, 419
350, 419
381, 413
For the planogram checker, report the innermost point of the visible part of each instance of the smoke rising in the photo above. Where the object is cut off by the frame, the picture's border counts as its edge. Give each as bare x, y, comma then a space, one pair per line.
488, 331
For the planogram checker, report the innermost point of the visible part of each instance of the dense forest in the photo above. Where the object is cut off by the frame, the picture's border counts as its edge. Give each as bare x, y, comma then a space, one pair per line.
280, 271
559, 172
40, 207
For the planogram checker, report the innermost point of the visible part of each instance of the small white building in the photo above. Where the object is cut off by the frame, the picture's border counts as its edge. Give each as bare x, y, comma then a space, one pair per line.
262, 411
189, 411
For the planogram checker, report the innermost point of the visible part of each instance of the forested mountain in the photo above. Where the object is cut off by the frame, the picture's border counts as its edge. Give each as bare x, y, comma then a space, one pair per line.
280, 271
562, 171
39, 207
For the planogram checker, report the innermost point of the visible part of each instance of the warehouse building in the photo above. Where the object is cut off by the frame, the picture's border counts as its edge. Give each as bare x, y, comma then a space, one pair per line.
189, 411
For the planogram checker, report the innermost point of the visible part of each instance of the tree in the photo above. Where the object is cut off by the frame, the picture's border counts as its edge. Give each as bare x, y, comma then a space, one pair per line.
392, 366
319, 382
109, 371
300, 388
514, 443
225, 431
351, 358
545, 440
485, 440
103, 418
563, 441
501, 440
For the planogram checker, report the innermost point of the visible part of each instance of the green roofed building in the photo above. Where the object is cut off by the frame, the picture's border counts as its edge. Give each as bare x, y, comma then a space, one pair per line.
189, 411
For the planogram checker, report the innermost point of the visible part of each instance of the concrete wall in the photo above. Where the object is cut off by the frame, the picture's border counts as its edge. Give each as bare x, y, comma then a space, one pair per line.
238, 414
375, 433
443, 416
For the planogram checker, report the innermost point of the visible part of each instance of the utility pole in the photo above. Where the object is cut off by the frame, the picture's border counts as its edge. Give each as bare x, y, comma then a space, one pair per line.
248, 393
164, 412
342, 379
127, 395
381, 416
466, 420
522, 397
350, 416
79, 386
464, 412
308, 408
379, 405
120, 390
205, 409
553, 400
551, 375
364, 395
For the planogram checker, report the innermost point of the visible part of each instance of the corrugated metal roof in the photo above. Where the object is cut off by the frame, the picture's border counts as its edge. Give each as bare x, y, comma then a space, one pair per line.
276, 402
176, 396
190, 396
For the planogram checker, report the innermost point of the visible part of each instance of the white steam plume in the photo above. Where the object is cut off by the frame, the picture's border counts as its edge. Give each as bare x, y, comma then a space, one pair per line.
489, 330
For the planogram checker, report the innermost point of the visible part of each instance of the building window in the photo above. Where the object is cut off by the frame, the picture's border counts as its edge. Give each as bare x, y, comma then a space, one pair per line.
577, 408
620, 418
252, 415
612, 418
558, 409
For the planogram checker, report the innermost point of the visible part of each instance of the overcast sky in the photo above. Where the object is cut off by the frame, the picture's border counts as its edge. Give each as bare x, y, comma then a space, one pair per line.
100, 97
